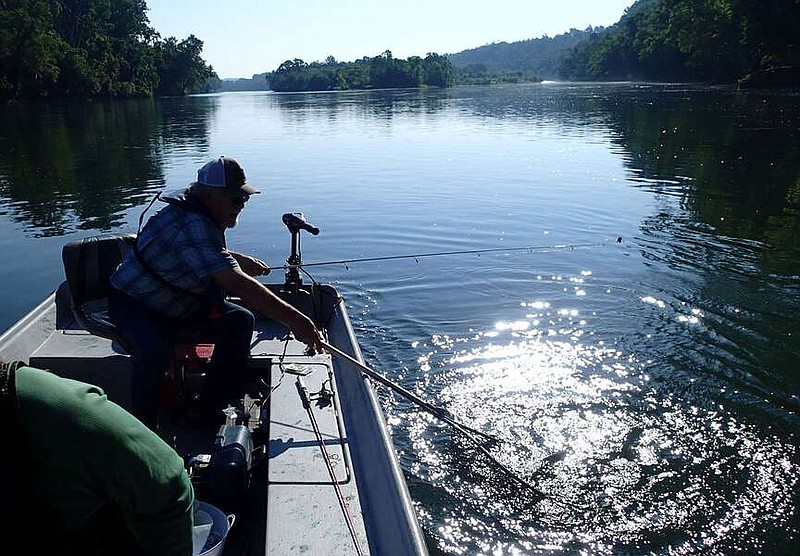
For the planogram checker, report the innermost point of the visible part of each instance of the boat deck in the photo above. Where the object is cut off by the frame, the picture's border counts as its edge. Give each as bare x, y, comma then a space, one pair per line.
292, 492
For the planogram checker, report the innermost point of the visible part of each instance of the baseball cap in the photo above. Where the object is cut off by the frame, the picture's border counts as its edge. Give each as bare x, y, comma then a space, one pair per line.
224, 173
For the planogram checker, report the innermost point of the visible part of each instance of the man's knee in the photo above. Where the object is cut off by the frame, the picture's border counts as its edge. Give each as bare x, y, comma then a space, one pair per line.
240, 320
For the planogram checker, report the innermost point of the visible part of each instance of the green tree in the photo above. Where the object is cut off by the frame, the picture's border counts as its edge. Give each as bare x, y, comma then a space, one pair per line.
383, 71
697, 40
108, 48
30, 49
291, 75
771, 30
181, 70
389, 72
437, 71
87, 48
708, 33
356, 75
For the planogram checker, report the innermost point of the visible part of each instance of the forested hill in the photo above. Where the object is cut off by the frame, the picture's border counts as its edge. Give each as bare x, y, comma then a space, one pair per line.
529, 60
539, 57
665, 40
694, 40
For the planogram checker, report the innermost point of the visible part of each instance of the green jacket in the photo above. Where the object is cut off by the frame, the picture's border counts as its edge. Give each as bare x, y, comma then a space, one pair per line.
96, 469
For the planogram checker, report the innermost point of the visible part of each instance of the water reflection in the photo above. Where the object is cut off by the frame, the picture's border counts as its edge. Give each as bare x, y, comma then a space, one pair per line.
381, 104
79, 165
724, 155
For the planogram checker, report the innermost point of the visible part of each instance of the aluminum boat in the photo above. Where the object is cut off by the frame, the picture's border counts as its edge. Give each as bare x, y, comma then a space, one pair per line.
304, 466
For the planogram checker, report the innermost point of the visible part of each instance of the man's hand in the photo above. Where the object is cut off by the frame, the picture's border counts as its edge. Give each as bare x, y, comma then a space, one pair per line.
252, 266
305, 331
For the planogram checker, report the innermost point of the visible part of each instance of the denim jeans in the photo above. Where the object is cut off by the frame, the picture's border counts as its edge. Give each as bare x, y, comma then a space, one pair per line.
152, 337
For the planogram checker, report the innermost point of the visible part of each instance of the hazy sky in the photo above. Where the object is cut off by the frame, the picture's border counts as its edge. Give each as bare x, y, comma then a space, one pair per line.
245, 37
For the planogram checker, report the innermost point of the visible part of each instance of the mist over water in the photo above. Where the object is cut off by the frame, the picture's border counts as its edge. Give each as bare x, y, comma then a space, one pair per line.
638, 363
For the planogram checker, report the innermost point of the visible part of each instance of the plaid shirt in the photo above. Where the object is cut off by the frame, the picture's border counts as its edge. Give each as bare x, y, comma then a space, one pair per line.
185, 247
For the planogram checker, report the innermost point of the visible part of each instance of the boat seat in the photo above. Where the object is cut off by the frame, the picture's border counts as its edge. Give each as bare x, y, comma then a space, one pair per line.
88, 264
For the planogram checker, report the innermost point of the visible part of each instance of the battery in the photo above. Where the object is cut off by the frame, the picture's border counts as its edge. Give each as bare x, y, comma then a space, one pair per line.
228, 472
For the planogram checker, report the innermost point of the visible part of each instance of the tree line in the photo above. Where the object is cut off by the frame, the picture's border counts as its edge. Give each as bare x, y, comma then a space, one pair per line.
93, 48
690, 40
380, 72
107, 48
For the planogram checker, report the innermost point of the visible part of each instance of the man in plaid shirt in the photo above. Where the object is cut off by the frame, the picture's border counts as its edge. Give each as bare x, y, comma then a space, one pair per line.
175, 281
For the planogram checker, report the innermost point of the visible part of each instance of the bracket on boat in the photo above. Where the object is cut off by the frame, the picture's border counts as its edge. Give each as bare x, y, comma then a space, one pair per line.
295, 221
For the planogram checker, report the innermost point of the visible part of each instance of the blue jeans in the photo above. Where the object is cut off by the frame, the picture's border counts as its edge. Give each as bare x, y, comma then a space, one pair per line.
152, 337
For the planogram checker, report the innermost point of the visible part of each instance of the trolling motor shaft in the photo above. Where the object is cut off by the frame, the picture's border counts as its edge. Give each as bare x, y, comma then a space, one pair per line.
296, 221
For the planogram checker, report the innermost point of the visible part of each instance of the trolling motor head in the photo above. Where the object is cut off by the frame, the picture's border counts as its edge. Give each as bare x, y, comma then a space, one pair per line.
296, 221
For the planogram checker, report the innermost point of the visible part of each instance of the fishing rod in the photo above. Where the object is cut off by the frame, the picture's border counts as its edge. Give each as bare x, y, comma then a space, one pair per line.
438, 412
302, 389
529, 248
296, 222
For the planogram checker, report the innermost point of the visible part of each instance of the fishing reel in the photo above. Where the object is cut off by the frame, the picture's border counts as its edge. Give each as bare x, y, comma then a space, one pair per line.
295, 221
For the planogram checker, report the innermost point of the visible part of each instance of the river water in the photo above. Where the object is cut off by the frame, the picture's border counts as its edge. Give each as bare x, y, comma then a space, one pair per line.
635, 349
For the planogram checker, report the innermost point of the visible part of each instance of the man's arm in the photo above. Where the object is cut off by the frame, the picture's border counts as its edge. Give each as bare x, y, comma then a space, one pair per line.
110, 457
258, 298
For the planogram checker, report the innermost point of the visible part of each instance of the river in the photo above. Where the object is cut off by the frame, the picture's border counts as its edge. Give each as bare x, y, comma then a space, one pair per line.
635, 349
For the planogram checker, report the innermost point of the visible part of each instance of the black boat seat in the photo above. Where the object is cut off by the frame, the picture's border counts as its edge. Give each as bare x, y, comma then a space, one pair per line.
88, 264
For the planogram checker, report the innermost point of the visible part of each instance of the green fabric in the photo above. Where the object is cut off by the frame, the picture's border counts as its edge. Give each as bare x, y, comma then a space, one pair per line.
90, 457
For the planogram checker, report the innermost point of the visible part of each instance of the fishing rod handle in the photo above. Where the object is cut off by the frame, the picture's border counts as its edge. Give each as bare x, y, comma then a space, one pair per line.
302, 389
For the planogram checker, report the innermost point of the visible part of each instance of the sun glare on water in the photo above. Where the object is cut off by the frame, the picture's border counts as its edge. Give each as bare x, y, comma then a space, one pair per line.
620, 461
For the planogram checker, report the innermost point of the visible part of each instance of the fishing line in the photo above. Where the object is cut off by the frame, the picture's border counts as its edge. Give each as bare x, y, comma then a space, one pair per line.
529, 248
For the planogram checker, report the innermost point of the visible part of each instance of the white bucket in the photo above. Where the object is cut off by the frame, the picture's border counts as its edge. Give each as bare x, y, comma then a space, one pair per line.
210, 530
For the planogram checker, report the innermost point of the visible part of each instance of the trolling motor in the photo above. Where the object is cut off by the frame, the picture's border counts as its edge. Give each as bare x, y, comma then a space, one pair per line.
295, 221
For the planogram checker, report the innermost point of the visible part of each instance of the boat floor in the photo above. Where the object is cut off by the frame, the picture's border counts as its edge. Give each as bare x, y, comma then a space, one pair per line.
292, 504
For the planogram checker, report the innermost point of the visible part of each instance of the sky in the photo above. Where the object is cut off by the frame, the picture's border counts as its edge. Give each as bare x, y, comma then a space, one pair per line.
245, 37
